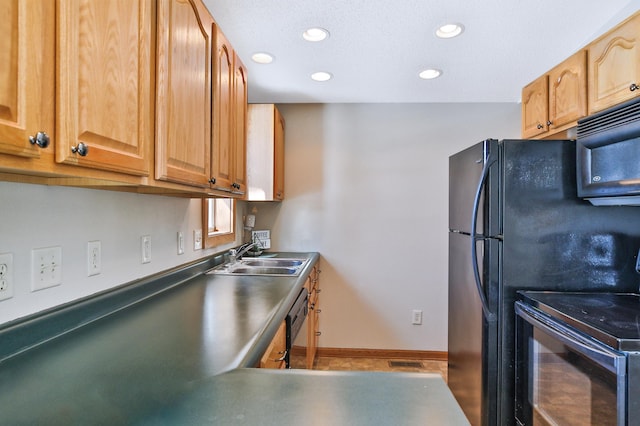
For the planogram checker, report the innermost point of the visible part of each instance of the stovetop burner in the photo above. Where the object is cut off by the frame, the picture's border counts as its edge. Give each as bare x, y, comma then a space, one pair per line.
613, 318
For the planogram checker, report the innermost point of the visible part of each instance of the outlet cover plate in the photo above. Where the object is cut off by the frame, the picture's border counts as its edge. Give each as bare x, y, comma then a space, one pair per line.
197, 239
46, 267
6, 276
94, 258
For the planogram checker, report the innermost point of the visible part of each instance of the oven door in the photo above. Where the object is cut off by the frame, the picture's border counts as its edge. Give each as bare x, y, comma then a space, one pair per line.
564, 377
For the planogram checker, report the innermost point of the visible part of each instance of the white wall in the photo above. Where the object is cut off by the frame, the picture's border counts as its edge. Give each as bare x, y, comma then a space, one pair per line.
34, 216
366, 185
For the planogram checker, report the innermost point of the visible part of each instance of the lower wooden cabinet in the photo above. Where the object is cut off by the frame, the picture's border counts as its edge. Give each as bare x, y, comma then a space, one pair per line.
313, 319
274, 357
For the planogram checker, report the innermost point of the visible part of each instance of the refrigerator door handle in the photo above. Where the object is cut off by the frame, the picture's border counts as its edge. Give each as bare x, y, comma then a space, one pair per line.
490, 316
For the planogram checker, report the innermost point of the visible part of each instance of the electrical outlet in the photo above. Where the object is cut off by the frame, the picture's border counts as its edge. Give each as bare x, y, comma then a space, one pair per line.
6, 276
145, 247
180, 243
197, 239
46, 267
94, 258
416, 317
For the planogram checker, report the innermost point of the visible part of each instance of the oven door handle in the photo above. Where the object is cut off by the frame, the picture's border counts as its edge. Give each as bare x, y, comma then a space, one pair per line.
609, 359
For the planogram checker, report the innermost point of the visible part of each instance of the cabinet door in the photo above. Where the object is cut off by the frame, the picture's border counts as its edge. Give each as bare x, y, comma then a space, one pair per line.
240, 125
278, 188
568, 91
535, 107
104, 98
313, 320
183, 92
26, 76
274, 357
221, 155
614, 66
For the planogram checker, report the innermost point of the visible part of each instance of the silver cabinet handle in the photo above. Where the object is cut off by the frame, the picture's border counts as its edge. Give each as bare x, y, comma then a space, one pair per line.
283, 356
318, 333
540, 126
634, 87
41, 139
82, 149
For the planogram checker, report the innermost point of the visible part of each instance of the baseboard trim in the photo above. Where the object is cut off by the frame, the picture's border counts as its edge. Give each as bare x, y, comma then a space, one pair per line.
374, 353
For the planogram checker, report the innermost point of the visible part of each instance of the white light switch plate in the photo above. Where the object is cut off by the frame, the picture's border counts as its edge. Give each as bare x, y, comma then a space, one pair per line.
180, 243
145, 248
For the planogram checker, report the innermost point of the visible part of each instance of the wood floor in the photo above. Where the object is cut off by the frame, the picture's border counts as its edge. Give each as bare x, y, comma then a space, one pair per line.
374, 364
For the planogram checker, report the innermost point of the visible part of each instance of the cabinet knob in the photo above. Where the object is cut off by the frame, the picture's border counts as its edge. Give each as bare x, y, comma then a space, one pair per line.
41, 139
549, 123
634, 87
212, 181
318, 311
235, 185
540, 126
82, 149
318, 333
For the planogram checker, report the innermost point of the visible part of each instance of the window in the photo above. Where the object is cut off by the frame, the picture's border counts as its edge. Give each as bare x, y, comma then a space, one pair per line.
218, 221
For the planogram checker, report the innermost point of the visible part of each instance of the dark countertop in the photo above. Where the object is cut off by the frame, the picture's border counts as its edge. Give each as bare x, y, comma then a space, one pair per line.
165, 355
300, 397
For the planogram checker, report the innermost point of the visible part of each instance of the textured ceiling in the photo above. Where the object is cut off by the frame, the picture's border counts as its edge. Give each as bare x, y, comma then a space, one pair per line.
377, 48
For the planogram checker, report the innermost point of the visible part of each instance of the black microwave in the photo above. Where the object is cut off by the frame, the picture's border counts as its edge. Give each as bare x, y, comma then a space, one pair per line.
608, 156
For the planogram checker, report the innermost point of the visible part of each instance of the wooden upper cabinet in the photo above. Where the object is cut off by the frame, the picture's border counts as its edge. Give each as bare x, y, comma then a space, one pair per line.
27, 75
568, 91
104, 84
535, 107
222, 152
183, 92
614, 66
241, 95
557, 99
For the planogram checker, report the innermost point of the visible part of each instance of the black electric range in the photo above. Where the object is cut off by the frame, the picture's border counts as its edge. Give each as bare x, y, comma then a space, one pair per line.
611, 318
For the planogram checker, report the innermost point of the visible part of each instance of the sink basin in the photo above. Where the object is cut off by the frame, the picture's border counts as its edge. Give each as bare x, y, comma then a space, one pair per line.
265, 266
270, 262
263, 270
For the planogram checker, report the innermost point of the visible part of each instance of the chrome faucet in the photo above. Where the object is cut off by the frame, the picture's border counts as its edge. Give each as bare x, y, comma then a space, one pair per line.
236, 254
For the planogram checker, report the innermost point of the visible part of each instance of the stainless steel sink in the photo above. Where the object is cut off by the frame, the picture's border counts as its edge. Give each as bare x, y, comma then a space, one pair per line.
263, 270
264, 266
270, 262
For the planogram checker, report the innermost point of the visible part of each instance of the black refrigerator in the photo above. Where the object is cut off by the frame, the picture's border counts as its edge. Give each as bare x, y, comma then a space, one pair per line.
516, 223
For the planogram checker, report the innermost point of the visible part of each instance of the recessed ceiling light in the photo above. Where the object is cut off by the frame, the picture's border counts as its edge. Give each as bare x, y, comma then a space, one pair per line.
321, 76
449, 30
262, 58
430, 73
315, 34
